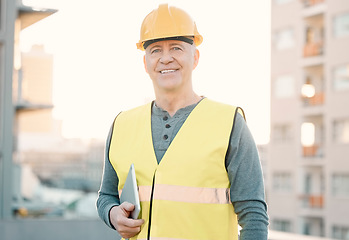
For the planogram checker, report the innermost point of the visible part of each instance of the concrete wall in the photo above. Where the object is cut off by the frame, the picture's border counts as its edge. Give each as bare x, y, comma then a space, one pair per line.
47, 229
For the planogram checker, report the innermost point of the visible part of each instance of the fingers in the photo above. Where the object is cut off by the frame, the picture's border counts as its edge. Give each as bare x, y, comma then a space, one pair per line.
126, 206
129, 222
130, 227
126, 227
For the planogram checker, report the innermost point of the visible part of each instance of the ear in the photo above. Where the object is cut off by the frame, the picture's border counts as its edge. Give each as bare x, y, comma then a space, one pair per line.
196, 58
145, 64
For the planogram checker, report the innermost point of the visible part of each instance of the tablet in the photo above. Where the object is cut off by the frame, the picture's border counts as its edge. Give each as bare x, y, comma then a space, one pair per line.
130, 192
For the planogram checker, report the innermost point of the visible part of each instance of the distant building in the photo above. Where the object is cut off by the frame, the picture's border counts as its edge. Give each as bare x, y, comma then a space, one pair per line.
68, 164
308, 166
34, 92
57, 162
263, 156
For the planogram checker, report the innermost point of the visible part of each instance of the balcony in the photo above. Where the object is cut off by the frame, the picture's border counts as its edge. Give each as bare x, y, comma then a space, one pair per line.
314, 36
312, 156
312, 137
315, 100
310, 3
311, 198
313, 151
312, 201
312, 90
310, 151
313, 49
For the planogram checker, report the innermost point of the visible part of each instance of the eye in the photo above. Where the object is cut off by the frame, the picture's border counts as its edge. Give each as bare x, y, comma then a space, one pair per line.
156, 50
177, 48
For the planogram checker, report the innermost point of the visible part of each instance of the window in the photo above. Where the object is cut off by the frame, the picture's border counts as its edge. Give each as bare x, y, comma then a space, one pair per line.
308, 134
282, 133
341, 77
282, 182
284, 86
340, 232
341, 25
284, 39
282, 225
340, 184
341, 131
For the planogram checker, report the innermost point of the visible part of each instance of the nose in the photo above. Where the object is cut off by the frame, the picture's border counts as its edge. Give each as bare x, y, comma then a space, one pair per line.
166, 57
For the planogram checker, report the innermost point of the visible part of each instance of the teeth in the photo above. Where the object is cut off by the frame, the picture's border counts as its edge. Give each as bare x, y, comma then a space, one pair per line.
167, 71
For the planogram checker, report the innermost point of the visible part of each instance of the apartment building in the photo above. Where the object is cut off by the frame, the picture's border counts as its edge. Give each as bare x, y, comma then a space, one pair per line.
308, 163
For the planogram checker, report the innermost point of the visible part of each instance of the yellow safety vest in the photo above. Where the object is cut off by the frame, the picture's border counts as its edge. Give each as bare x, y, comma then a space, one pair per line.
188, 192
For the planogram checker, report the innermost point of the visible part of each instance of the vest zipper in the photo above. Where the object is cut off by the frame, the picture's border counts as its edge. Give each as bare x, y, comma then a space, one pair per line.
151, 206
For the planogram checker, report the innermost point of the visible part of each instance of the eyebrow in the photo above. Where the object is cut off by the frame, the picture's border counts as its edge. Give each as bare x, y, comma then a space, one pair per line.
171, 44
176, 43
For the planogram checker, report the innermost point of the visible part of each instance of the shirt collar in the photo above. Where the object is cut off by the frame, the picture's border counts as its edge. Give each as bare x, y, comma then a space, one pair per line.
158, 111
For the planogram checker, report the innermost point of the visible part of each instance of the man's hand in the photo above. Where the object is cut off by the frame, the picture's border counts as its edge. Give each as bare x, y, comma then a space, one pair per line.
127, 227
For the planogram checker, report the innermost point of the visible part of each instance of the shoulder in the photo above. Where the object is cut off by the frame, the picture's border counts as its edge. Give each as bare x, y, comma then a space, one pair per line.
134, 113
218, 106
213, 103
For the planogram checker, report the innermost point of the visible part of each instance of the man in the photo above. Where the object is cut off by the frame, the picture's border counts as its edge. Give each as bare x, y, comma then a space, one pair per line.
197, 166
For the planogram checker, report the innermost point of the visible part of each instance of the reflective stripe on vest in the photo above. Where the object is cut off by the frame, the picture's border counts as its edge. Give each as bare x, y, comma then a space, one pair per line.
191, 197
185, 194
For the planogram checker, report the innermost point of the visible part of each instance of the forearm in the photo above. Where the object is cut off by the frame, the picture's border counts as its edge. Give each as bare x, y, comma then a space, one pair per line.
108, 195
105, 203
253, 220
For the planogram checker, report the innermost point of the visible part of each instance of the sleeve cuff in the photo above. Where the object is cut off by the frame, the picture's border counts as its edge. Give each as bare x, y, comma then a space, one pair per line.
107, 217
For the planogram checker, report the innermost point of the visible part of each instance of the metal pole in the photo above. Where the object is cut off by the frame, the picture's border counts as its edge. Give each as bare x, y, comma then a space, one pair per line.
7, 110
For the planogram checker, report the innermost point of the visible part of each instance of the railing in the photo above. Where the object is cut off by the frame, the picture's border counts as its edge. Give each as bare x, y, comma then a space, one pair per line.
310, 151
312, 201
309, 3
317, 99
315, 150
313, 49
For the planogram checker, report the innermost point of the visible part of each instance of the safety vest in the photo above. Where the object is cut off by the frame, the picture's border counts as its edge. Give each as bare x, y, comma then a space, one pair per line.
186, 195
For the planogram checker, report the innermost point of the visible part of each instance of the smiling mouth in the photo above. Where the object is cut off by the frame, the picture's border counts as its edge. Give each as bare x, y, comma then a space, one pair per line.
167, 71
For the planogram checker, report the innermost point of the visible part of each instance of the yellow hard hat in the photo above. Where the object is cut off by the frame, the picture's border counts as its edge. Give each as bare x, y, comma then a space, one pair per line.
168, 22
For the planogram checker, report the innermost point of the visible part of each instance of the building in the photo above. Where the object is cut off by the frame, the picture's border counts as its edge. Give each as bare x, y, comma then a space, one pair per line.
14, 16
57, 162
65, 163
263, 156
308, 167
33, 91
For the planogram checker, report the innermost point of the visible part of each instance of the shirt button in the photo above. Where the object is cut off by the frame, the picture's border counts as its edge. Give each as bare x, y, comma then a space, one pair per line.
165, 137
165, 118
167, 125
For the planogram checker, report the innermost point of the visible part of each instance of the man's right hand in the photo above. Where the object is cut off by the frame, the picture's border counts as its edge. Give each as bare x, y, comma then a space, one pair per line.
119, 218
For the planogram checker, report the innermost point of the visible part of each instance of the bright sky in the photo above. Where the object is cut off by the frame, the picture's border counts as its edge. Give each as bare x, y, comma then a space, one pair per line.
98, 71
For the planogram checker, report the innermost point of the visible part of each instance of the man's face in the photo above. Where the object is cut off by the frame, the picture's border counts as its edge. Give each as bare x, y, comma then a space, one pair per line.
170, 64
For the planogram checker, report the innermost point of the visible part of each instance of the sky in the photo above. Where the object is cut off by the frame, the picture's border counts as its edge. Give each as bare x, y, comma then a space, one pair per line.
98, 71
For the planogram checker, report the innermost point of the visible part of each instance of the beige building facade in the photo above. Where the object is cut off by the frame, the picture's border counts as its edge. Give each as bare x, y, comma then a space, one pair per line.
308, 163
35, 91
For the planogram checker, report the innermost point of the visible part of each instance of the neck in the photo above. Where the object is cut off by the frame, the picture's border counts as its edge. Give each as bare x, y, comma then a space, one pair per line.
173, 102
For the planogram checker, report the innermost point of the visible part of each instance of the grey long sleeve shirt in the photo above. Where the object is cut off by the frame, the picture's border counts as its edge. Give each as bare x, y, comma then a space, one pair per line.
242, 164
